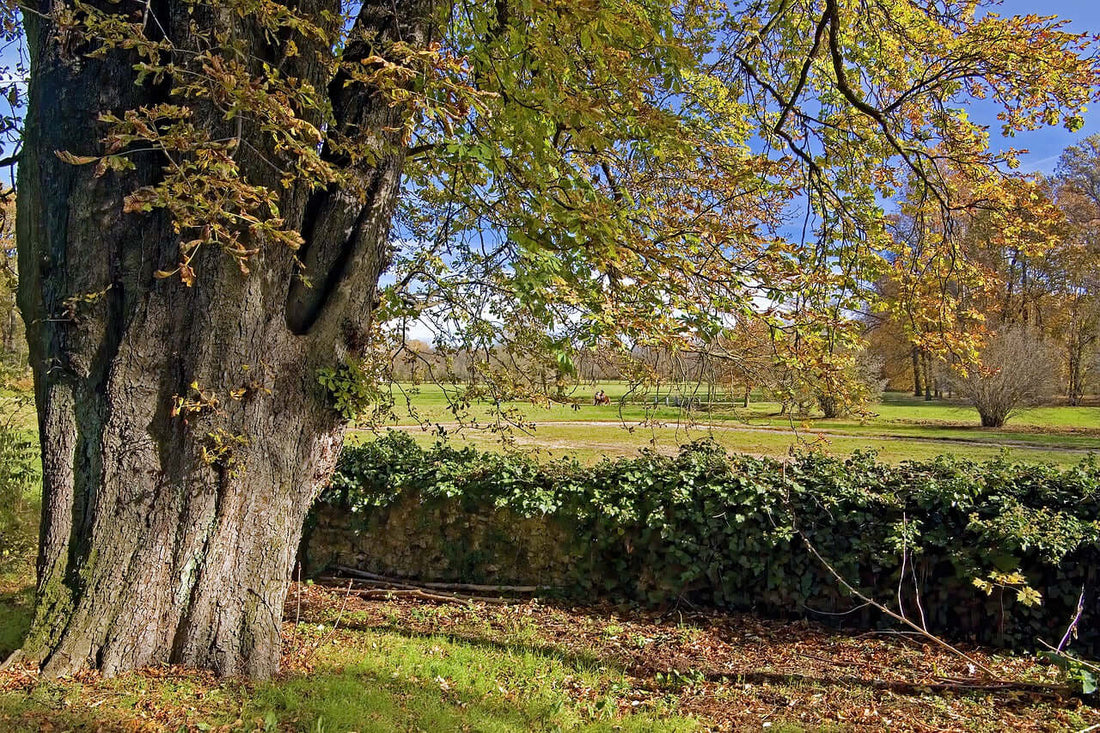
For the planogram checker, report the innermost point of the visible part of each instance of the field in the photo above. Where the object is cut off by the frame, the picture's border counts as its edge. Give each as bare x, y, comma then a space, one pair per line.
900, 428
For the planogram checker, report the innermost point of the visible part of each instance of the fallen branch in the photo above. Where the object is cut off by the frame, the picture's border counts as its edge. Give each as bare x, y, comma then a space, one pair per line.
897, 617
333, 579
474, 587
384, 594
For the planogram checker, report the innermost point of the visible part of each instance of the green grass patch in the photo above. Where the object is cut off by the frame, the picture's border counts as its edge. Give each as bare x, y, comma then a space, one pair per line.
383, 680
358, 680
899, 428
591, 443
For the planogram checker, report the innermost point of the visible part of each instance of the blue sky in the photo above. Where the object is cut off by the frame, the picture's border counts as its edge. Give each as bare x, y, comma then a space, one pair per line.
1044, 145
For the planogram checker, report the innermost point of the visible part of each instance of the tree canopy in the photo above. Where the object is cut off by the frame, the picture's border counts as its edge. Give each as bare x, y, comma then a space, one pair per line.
578, 172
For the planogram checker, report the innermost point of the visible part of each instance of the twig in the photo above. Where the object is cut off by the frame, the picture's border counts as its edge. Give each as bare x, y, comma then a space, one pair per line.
904, 559
1077, 660
478, 588
360, 573
1073, 624
372, 583
339, 617
383, 589
928, 635
298, 595
916, 594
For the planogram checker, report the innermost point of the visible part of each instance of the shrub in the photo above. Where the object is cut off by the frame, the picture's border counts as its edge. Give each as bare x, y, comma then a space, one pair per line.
20, 475
1017, 371
721, 530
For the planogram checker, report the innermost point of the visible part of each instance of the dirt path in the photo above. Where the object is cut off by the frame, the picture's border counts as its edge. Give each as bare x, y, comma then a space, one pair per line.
808, 434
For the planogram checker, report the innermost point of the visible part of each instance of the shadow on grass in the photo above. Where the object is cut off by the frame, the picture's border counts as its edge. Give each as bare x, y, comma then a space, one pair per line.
1008, 694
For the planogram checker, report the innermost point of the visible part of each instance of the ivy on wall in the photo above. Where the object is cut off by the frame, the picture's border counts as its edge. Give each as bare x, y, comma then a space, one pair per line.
936, 538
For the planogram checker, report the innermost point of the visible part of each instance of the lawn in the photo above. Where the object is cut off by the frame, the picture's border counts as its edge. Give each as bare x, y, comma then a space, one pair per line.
901, 427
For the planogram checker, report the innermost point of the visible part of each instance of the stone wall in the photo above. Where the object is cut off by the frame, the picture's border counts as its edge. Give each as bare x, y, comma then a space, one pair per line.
441, 541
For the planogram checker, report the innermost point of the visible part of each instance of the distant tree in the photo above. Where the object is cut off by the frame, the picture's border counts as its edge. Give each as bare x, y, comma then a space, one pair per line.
1017, 371
13, 345
861, 381
1074, 268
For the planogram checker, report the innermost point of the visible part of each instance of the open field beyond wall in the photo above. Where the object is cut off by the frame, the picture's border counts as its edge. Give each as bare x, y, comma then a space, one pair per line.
900, 428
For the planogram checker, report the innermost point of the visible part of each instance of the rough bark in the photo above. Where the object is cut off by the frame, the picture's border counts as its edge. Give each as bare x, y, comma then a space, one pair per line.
992, 419
916, 372
830, 406
1074, 389
170, 539
927, 378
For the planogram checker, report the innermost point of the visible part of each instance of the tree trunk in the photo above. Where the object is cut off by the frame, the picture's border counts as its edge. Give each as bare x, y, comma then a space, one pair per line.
1075, 388
927, 379
992, 420
916, 372
184, 433
830, 406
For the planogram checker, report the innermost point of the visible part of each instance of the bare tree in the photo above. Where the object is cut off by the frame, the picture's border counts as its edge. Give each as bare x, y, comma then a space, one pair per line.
1017, 371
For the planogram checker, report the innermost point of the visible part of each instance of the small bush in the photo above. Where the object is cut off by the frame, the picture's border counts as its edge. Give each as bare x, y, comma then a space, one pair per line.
20, 476
721, 530
1017, 371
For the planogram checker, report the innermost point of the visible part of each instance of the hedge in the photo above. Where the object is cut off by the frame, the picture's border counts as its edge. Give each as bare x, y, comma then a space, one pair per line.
711, 529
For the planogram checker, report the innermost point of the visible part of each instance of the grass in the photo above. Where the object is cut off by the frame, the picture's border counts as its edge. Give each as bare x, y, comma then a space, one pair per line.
431, 402
900, 428
370, 682
16, 599
590, 443
437, 682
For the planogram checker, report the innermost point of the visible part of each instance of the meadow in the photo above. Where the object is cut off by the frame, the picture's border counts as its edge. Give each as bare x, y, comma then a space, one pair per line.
898, 428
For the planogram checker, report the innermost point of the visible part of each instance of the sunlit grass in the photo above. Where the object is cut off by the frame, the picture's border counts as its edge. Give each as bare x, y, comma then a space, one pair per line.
901, 427
386, 680
591, 443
